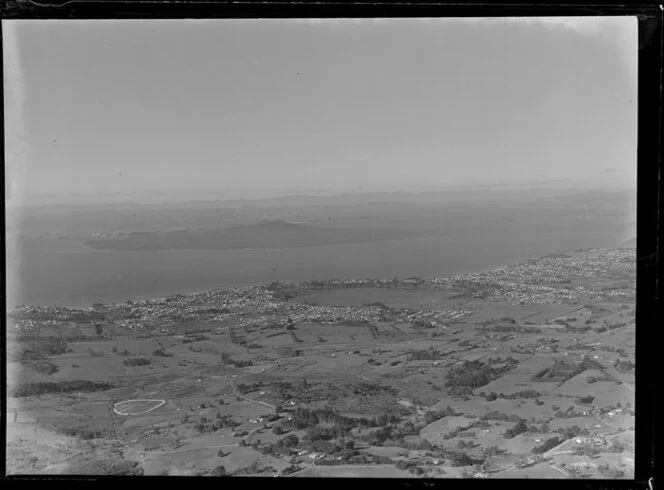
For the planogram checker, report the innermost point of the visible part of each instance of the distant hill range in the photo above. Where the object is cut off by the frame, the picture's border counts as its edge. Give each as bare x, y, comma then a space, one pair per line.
264, 234
220, 201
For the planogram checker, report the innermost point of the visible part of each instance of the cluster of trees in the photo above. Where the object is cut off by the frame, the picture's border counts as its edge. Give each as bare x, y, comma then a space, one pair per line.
290, 469
585, 399
466, 444
588, 450
285, 445
337, 424
579, 346
429, 354
248, 388
433, 415
275, 450
496, 415
44, 366
519, 428
161, 353
493, 451
372, 389
569, 413
41, 350
219, 471
525, 394
459, 458
353, 457
474, 374
214, 311
285, 390
194, 338
409, 466
492, 321
241, 364
290, 440
511, 328
547, 445
573, 329
85, 433
137, 361
118, 352
609, 348
253, 469
376, 304
573, 431
626, 366
588, 363
392, 435
221, 422
613, 326
565, 371
225, 358
455, 432
44, 387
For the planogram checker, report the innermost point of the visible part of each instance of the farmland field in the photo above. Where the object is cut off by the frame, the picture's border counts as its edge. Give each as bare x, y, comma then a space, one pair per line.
454, 387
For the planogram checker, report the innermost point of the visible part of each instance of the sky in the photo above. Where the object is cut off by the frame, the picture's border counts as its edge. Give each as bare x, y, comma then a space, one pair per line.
138, 107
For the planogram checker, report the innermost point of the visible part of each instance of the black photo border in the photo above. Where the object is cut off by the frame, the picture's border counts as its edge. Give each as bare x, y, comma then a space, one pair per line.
650, 205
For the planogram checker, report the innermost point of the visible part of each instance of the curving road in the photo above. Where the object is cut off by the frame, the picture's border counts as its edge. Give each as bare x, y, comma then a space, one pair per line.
237, 393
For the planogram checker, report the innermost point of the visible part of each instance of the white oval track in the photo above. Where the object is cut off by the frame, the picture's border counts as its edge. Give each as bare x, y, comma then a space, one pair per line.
121, 411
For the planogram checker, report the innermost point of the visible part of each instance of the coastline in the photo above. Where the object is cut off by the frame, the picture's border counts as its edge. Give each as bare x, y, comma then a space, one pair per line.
156, 296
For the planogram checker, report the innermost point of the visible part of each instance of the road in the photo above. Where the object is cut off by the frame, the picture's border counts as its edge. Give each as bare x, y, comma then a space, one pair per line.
606, 423
251, 400
559, 470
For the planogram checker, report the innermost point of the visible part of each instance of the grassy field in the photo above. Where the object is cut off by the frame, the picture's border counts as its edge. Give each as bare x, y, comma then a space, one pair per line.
229, 399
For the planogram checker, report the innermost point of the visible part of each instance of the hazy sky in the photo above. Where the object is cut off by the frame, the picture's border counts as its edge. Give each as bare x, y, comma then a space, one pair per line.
133, 106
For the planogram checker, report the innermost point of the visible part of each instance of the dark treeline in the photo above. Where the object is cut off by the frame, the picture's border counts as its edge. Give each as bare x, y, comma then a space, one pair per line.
304, 418
40, 350
474, 374
44, 387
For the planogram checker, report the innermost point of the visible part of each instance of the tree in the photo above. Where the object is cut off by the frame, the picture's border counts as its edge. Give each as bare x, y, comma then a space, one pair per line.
585, 399
519, 428
219, 471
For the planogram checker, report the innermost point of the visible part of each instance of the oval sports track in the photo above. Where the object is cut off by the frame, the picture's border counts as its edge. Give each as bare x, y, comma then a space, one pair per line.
137, 407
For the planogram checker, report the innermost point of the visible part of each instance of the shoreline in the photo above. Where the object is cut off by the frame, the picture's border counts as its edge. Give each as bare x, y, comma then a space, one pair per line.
114, 299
